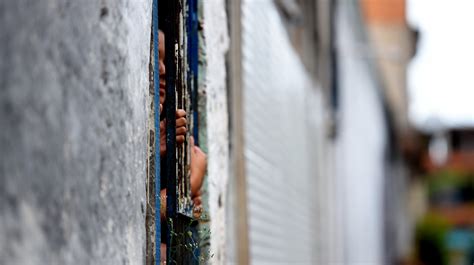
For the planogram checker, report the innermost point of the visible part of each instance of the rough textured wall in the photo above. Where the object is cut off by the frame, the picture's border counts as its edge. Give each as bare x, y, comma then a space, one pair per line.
73, 85
217, 43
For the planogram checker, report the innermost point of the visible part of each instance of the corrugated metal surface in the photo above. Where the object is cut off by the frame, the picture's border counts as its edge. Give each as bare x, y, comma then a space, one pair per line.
361, 144
281, 131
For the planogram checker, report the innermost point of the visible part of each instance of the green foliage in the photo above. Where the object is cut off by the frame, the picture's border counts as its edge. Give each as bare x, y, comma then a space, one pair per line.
445, 179
450, 185
431, 243
188, 238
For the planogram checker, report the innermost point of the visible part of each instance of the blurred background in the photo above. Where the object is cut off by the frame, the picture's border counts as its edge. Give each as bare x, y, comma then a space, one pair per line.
336, 131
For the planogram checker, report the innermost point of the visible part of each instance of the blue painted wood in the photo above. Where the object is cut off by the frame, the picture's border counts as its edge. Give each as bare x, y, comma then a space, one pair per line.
193, 61
156, 104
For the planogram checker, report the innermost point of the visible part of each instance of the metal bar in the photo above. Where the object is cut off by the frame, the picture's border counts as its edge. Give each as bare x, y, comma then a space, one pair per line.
182, 96
170, 30
156, 104
177, 28
193, 60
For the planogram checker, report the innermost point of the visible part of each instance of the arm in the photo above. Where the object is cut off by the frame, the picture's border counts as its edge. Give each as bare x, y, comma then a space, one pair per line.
163, 205
198, 168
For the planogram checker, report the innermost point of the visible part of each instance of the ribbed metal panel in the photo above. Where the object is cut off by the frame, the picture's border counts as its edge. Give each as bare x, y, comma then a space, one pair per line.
362, 142
280, 139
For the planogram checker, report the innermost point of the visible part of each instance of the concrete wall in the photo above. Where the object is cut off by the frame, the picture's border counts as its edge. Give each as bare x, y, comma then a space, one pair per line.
215, 82
74, 80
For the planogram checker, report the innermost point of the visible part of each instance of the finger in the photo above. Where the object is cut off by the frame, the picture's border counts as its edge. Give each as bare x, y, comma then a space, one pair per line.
181, 131
191, 142
163, 253
180, 139
161, 108
181, 122
197, 211
180, 113
197, 201
162, 128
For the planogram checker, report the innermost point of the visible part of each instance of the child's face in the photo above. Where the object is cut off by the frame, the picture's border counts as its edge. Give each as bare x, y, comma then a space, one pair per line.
161, 48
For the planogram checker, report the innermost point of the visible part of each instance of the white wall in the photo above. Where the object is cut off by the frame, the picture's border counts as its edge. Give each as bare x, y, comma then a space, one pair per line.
359, 157
281, 130
216, 46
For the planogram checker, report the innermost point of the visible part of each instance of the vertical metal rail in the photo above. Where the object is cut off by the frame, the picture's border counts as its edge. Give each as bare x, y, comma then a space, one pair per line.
169, 170
178, 12
182, 95
156, 104
179, 20
193, 61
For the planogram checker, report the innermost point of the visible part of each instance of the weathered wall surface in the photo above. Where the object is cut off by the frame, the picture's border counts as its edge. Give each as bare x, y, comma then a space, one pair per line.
73, 86
216, 46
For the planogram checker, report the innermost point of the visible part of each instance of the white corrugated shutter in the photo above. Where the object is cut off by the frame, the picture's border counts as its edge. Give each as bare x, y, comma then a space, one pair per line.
280, 137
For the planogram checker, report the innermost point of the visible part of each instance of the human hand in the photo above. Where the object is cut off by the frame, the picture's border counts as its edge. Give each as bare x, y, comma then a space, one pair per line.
197, 205
198, 168
181, 129
197, 200
181, 124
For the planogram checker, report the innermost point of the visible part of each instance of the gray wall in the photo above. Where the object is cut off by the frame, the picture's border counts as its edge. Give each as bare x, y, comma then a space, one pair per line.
73, 83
